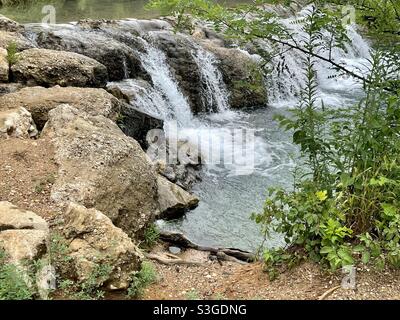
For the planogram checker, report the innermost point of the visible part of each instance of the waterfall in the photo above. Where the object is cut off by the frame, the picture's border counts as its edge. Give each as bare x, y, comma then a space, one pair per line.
155, 63
215, 94
288, 77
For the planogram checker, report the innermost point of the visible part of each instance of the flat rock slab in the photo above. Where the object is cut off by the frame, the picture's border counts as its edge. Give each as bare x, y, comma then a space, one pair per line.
11, 217
50, 67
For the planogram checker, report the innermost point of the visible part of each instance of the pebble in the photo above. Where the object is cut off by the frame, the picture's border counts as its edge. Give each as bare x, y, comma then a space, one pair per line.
174, 250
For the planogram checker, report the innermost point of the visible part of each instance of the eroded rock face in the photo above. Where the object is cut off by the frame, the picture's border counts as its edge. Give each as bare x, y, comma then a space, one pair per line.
173, 200
3, 65
242, 76
102, 168
51, 67
96, 241
8, 37
7, 24
23, 234
39, 101
121, 61
11, 217
17, 123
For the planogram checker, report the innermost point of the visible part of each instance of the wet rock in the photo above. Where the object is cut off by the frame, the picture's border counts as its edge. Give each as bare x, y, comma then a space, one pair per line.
179, 51
174, 250
10, 37
119, 58
136, 124
95, 241
50, 68
17, 123
242, 76
39, 101
100, 167
3, 65
7, 24
173, 200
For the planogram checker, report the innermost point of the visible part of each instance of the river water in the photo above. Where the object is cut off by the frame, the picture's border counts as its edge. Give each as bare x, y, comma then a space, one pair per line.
227, 194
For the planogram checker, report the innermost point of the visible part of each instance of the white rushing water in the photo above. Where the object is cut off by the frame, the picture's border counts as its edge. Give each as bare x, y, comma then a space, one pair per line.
236, 178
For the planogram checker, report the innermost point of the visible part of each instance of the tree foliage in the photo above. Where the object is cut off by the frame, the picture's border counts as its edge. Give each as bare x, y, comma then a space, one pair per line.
344, 206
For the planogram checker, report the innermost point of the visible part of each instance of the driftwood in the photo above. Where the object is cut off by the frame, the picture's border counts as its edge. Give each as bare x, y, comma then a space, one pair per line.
170, 259
226, 254
328, 292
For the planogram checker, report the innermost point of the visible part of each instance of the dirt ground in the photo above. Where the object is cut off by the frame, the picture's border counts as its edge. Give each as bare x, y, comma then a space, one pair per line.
28, 170
236, 281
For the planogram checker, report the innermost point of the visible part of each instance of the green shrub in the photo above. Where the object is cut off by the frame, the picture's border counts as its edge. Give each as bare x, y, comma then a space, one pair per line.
12, 283
146, 276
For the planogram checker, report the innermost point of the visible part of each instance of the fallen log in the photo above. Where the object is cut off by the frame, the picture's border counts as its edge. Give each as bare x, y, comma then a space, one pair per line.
181, 240
169, 259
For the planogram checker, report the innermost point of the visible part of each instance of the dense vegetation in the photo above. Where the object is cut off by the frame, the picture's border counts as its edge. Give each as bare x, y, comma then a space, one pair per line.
344, 206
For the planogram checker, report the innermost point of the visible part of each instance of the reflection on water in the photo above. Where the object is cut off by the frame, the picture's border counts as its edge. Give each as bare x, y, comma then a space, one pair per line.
74, 10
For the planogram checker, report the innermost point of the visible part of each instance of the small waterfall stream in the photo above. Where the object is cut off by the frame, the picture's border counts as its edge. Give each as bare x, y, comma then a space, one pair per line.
227, 197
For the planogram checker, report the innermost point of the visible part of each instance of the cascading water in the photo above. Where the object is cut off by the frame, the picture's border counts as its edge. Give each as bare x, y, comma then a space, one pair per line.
288, 69
155, 63
227, 198
215, 93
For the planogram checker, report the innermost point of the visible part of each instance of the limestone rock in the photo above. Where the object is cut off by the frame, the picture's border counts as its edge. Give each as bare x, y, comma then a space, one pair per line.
17, 123
51, 67
3, 65
94, 241
7, 24
39, 101
8, 37
23, 245
173, 200
242, 76
11, 217
101, 167
119, 58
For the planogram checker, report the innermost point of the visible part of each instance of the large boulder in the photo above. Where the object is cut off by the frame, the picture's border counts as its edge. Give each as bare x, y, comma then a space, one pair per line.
51, 67
173, 200
7, 24
242, 76
3, 65
23, 234
119, 58
11, 217
10, 37
100, 167
95, 241
17, 123
39, 101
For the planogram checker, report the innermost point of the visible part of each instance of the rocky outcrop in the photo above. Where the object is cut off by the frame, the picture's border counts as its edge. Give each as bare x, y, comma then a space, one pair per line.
179, 51
24, 238
100, 167
11, 217
7, 24
95, 241
242, 76
121, 61
17, 123
7, 38
3, 65
49, 68
39, 101
23, 234
173, 200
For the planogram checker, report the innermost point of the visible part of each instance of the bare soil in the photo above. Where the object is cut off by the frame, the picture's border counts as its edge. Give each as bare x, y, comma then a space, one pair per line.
307, 281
